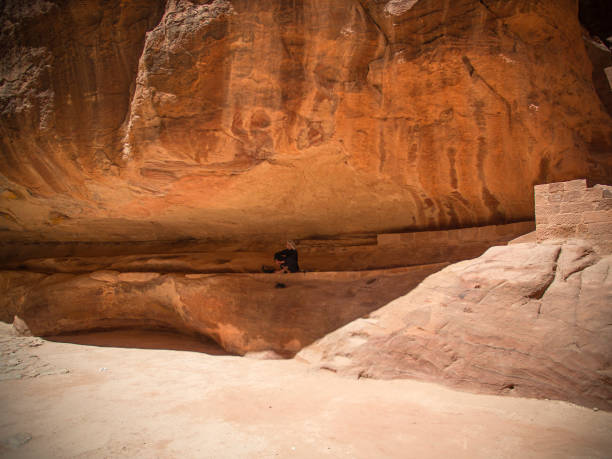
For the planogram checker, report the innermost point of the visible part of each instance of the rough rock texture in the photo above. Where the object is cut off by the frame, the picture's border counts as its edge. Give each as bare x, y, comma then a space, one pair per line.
601, 57
354, 253
148, 120
241, 312
530, 320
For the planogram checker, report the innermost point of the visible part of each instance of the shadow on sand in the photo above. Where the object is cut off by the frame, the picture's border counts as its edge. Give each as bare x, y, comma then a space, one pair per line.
142, 339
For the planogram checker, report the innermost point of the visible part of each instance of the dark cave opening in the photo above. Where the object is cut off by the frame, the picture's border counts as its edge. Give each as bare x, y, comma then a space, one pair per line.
596, 16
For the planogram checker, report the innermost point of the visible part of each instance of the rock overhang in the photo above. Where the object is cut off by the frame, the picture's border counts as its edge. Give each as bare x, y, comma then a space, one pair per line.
289, 121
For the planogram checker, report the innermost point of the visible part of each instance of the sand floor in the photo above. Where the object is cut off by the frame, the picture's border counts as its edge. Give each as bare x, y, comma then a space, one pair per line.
68, 400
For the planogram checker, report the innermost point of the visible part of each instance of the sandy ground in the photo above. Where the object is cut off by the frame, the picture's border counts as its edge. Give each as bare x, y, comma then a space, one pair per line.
94, 401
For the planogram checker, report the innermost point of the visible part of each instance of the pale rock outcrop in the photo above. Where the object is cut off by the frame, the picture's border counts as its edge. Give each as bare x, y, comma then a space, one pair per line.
528, 319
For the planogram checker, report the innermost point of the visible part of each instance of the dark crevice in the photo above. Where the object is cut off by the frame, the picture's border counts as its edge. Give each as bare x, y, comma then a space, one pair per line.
596, 16
474, 74
431, 40
468, 65
488, 8
428, 13
539, 293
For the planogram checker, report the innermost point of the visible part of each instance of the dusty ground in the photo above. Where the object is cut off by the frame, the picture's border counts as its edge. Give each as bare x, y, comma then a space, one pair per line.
85, 401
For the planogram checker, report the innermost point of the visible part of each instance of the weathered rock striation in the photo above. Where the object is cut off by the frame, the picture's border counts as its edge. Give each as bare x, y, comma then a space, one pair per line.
149, 120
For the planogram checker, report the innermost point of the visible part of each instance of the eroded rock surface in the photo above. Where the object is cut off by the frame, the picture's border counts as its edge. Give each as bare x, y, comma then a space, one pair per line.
17, 359
241, 312
527, 319
149, 120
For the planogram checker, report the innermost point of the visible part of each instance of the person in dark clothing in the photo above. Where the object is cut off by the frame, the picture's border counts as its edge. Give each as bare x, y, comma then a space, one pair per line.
287, 260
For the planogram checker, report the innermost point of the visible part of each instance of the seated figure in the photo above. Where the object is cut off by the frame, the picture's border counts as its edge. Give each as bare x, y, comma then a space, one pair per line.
287, 259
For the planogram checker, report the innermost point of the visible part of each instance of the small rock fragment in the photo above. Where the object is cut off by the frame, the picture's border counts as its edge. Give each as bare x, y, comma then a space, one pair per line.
17, 440
36, 342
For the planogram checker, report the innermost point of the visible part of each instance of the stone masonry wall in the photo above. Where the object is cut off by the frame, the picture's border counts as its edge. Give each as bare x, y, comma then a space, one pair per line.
572, 210
490, 234
423, 247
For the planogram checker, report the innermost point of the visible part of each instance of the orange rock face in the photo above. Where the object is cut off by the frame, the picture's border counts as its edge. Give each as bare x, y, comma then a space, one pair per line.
149, 120
242, 312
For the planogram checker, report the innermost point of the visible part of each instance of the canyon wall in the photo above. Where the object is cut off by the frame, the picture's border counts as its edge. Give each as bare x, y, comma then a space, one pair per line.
219, 119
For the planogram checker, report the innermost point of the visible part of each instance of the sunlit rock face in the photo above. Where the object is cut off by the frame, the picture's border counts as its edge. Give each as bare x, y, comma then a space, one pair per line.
150, 120
525, 319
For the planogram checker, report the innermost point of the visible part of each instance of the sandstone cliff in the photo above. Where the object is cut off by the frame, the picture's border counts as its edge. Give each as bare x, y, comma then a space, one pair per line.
149, 120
